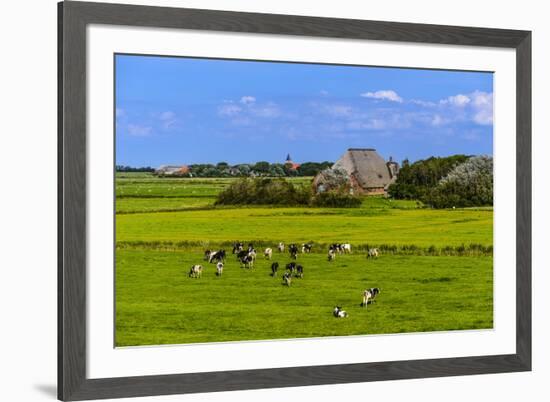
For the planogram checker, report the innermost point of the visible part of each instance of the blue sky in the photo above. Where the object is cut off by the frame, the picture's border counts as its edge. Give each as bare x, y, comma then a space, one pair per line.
183, 110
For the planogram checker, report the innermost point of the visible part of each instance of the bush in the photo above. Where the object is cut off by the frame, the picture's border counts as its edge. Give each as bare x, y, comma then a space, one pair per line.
263, 191
332, 180
415, 180
467, 185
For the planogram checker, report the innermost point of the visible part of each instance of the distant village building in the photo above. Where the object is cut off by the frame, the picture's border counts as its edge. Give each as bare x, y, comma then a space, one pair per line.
172, 170
290, 164
368, 172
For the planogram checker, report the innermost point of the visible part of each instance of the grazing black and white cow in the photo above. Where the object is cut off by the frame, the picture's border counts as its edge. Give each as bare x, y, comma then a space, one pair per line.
293, 250
281, 247
247, 262
219, 268
274, 268
291, 267
207, 255
373, 253
375, 292
237, 247
339, 313
250, 247
252, 254
306, 247
217, 256
331, 254
299, 271
369, 295
195, 271
268, 252
336, 247
287, 278
346, 248
241, 254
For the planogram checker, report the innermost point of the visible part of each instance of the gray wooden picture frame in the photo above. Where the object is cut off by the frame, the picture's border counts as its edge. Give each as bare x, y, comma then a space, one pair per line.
73, 18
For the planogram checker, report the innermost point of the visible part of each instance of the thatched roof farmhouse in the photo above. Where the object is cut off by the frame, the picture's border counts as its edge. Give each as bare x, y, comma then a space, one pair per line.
368, 172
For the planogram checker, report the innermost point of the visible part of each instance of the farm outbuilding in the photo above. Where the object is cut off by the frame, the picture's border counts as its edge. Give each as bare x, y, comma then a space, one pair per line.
368, 172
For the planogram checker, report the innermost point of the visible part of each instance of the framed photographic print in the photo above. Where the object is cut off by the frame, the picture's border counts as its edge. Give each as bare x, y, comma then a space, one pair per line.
257, 201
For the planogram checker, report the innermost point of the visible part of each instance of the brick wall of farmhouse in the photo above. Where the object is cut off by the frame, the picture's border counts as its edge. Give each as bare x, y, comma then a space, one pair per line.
357, 189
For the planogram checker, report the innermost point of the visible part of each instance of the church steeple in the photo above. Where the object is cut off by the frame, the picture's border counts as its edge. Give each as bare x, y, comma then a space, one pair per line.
288, 158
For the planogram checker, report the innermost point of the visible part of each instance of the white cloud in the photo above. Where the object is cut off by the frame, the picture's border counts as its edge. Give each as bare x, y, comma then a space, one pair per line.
137, 130
482, 99
483, 106
477, 105
459, 100
247, 110
168, 119
246, 100
384, 95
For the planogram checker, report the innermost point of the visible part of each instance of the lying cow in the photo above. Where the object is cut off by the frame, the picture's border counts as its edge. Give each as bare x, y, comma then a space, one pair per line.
195, 271
339, 313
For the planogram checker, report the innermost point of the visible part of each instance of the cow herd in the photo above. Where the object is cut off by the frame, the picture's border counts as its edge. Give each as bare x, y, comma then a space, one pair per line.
246, 256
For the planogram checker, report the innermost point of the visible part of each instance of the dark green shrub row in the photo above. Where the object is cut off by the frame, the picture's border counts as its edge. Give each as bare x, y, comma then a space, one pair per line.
276, 191
334, 199
473, 249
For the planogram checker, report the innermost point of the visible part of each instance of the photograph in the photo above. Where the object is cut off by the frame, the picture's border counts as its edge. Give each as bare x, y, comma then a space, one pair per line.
265, 200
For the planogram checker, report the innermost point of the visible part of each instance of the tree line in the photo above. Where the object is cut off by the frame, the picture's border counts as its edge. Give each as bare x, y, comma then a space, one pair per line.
258, 169
123, 168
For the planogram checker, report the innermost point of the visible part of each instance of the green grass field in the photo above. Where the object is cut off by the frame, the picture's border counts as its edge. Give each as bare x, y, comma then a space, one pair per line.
164, 225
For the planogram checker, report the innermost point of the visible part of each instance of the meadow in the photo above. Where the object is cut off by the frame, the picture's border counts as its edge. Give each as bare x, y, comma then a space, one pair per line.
435, 271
